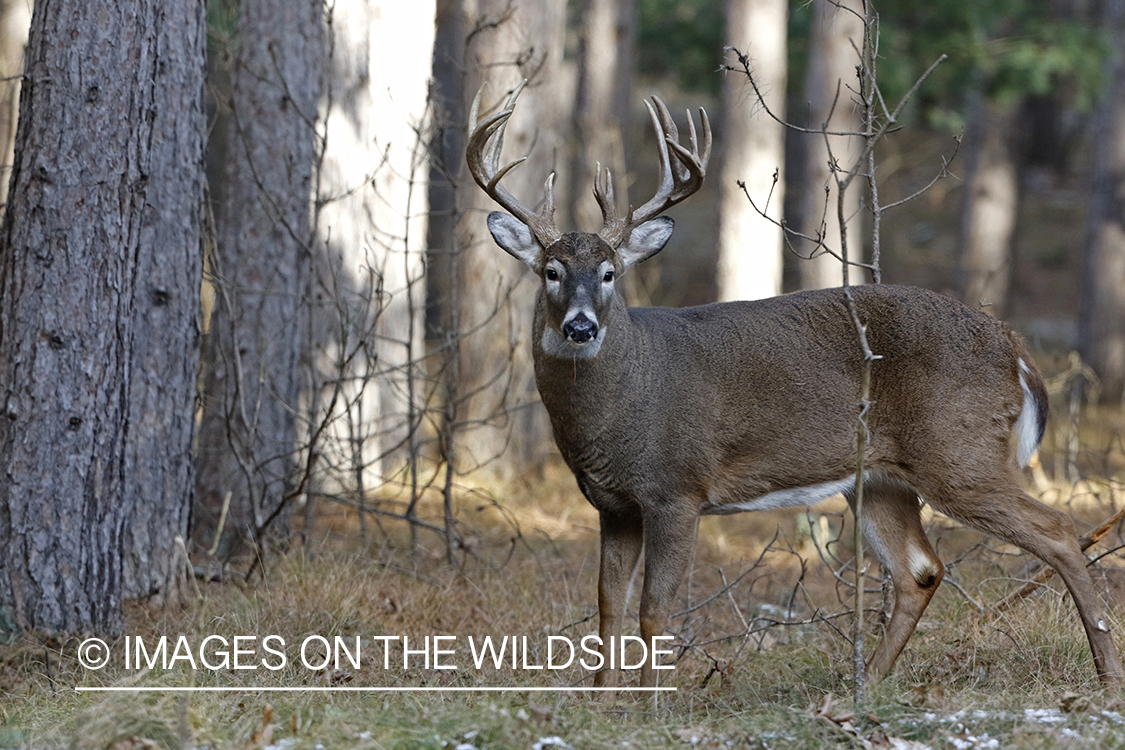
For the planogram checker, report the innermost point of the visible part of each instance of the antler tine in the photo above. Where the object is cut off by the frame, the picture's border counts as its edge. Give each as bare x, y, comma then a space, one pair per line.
657, 115
486, 139
603, 194
614, 228
679, 177
604, 190
693, 157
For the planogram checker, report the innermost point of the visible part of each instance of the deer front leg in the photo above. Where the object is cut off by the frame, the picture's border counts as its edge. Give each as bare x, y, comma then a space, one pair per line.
622, 540
669, 539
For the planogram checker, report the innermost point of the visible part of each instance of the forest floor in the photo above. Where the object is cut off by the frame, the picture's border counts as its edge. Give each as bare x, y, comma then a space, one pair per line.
762, 650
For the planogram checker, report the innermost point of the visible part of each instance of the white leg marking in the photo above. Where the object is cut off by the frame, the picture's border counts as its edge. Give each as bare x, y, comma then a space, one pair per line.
922, 567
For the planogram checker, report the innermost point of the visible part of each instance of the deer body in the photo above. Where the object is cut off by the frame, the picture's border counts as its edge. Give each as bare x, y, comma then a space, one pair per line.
667, 414
740, 385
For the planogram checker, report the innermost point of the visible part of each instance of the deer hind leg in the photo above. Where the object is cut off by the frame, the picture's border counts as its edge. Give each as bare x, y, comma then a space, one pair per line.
893, 527
1010, 514
621, 539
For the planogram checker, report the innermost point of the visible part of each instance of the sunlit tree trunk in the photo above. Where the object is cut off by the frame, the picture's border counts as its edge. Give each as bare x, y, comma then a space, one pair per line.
15, 17
99, 295
990, 206
248, 434
1102, 313
835, 36
750, 246
372, 221
603, 104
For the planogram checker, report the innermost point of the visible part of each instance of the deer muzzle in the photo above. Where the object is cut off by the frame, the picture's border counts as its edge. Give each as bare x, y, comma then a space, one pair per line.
580, 329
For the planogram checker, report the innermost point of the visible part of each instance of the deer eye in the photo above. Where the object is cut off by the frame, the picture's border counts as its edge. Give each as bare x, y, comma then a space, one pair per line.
551, 274
608, 277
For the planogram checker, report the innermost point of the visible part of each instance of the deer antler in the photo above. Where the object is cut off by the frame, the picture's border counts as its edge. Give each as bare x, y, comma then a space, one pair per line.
679, 177
483, 156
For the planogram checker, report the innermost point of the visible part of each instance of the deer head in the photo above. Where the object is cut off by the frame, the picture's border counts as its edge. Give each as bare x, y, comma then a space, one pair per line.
578, 269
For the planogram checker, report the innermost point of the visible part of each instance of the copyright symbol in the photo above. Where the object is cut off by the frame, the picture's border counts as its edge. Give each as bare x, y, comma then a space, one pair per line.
93, 653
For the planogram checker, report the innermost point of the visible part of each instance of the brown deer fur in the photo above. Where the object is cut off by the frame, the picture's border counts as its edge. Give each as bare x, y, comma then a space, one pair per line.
667, 414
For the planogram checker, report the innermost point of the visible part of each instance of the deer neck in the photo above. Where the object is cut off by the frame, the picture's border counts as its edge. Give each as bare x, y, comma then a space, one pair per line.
576, 390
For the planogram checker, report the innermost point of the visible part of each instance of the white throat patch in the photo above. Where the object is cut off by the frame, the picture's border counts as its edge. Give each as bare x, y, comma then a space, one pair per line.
557, 345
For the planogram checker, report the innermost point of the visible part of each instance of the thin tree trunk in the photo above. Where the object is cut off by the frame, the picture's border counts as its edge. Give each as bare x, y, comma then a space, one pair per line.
603, 104
991, 203
750, 246
248, 433
111, 105
1102, 315
836, 35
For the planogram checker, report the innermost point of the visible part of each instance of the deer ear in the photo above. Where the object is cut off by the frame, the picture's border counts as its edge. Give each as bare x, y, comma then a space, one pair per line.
514, 237
646, 240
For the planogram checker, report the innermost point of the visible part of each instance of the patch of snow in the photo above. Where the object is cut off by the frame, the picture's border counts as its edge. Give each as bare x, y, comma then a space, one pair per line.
546, 743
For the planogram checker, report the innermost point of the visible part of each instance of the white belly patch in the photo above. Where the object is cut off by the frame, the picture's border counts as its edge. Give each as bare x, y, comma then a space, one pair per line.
796, 496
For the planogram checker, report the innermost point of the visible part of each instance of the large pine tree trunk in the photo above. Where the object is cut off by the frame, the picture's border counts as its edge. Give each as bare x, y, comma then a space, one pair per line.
750, 246
836, 35
1102, 314
248, 435
373, 191
991, 202
111, 106
166, 336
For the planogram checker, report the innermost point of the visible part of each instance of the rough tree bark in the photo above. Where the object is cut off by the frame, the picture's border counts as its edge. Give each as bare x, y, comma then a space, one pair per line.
750, 246
990, 205
829, 83
1101, 324
603, 104
166, 325
253, 352
95, 436
373, 196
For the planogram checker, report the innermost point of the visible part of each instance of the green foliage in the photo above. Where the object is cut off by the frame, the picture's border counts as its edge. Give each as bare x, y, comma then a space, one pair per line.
1007, 48
682, 39
222, 19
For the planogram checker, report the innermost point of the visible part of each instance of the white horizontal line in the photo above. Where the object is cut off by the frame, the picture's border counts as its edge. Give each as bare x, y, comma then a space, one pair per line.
351, 689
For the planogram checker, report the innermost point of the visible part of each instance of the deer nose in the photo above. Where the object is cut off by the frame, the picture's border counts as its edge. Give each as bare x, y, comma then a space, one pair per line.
580, 329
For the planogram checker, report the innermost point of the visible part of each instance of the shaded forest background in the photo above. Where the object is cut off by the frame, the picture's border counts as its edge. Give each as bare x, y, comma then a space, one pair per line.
359, 343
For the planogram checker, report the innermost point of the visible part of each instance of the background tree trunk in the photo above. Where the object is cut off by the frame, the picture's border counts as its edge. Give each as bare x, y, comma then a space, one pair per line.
750, 246
602, 105
166, 336
1101, 324
15, 17
253, 354
373, 196
508, 42
829, 83
106, 85
990, 205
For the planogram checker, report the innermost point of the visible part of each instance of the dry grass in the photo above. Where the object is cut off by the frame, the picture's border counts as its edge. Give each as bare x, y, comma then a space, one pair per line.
530, 568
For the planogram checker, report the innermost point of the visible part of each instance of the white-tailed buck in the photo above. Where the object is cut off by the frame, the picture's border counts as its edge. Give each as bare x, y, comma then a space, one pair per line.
666, 414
